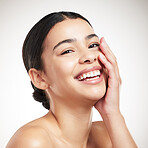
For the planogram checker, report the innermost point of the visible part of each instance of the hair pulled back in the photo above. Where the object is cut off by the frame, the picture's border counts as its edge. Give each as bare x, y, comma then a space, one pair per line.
33, 46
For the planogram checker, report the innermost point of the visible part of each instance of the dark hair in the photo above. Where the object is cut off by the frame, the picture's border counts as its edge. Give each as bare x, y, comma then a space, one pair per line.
33, 46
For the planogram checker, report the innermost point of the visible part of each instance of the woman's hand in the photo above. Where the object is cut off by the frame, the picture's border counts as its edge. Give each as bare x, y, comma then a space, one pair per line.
109, 104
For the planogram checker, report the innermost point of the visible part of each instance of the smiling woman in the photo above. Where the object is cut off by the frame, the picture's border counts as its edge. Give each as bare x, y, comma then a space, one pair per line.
71, 71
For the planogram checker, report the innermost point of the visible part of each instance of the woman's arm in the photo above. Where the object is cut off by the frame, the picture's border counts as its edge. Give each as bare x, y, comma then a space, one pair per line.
108, 106
118, 132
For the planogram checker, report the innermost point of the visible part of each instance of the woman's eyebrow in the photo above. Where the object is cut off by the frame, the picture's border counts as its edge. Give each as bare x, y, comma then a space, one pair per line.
74, 40
64, 41
91, 36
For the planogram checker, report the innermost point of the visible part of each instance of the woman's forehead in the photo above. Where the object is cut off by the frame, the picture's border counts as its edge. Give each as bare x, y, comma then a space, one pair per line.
69, 28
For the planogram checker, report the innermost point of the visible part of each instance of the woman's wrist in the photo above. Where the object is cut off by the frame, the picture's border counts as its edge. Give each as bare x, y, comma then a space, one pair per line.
114, 120
111, 115
118, 131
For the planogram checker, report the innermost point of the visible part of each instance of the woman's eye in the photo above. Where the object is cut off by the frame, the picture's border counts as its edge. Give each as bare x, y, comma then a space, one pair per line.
66, 52
93, 45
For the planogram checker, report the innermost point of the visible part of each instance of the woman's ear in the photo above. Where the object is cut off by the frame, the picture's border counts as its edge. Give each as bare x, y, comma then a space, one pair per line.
37, 79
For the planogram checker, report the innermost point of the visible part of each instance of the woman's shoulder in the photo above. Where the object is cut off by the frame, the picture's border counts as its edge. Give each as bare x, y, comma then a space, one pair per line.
99, 135
99, 126
31, 135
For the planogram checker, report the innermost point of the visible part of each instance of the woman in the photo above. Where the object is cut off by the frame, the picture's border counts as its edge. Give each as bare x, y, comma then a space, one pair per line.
72, 70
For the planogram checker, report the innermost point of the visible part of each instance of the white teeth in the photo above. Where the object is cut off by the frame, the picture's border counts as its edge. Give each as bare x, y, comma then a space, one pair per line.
98, 72
81, 77
84, 76
95, 72
92, 78
89, 75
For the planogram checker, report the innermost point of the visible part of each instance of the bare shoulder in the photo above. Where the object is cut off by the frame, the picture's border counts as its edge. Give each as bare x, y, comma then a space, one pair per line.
99, 126
30, 136
100, 135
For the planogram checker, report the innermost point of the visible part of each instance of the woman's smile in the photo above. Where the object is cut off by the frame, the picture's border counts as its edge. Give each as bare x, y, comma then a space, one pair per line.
92, 75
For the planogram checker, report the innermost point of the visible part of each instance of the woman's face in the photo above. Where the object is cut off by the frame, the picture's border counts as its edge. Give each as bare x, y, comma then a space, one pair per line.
70, 60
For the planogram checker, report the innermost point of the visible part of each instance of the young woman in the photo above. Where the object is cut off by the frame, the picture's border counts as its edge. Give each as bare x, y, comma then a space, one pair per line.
72, 70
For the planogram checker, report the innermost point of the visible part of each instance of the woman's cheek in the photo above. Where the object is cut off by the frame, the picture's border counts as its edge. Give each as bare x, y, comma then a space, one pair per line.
65, 67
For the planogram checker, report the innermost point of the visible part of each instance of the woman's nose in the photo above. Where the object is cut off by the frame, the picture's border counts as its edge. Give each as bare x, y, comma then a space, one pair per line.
88, 57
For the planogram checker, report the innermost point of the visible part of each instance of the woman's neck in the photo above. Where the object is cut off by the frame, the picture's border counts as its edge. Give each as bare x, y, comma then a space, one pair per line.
74, 123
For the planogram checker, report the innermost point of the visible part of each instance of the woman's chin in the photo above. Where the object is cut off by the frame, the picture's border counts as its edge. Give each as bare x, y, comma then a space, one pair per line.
96, 96
96, 93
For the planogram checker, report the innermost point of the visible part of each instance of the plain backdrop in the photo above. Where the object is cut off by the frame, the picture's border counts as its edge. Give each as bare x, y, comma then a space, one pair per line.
124, 24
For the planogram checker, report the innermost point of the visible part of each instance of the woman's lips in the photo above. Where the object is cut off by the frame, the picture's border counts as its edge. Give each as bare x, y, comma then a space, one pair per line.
92, 75
88, 70
96, 80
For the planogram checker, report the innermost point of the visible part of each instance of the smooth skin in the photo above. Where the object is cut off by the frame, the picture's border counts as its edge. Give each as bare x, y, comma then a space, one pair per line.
68, 123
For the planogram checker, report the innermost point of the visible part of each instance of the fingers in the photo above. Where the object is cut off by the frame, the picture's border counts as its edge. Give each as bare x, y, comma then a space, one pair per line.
107, 52
109, 60
107, 65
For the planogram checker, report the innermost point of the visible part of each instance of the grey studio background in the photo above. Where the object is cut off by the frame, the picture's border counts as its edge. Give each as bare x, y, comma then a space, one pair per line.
123, 23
